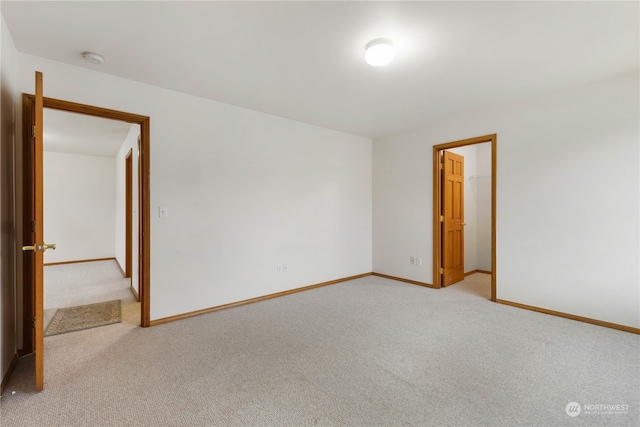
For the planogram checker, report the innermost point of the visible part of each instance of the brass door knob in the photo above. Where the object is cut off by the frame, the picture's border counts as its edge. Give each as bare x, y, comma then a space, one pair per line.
46, 246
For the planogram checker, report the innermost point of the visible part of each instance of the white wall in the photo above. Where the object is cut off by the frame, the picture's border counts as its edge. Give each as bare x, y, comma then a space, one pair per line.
79, 214
245, 191
567, 199
481, 187
130, 143
8, 242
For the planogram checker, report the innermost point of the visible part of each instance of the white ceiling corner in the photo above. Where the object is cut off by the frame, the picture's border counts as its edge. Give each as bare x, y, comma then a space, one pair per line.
72, 133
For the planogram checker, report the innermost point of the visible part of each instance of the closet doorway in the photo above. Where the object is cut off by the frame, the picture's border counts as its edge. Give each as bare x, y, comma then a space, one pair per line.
449, 182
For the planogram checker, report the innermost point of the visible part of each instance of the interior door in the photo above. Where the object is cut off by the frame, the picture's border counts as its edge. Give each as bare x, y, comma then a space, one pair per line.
453, 218
37, 246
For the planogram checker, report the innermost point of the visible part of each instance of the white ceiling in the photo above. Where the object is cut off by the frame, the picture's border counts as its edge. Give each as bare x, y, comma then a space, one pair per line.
304, 60
66, 132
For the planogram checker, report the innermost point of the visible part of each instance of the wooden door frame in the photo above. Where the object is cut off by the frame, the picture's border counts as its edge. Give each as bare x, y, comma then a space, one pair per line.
139, 255
437, 201
144, 232
128, 214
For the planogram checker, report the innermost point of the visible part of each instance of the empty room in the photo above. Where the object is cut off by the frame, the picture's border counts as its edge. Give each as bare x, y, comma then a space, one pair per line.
321, 213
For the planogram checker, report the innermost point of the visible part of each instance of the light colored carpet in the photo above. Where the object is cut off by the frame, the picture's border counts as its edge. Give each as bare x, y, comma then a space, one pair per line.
71, 285
73, 319
369, 352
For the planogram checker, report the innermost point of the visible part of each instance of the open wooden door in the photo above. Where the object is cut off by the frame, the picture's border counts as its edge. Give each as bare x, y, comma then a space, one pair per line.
37, 246
453, 218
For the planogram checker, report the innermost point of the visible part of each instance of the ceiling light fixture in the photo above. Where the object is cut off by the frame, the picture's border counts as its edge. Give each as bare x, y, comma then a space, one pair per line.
379, 52
93, 57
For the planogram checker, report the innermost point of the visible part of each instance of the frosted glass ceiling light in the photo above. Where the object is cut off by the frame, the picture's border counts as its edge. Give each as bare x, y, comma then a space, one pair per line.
379, 52
94, 58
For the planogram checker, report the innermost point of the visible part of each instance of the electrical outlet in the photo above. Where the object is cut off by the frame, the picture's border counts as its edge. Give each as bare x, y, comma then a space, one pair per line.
412, 260
285, 268
279, 268
418, 261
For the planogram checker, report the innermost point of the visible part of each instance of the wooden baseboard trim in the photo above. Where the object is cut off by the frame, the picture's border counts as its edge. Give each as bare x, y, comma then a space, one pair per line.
252, 300
124, 274
477, 271
78, 261
572, 317
399, 279
134, 292
7, 375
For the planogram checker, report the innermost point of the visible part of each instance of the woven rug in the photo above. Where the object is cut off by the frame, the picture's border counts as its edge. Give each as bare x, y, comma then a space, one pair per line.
84, 317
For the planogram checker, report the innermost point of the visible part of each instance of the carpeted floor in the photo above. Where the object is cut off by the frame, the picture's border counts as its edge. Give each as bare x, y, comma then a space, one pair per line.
369, 352
71, 285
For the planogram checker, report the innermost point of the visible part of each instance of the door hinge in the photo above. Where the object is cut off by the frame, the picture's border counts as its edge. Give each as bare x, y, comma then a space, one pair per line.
33, 322
441, 218
33, 226
441, 270
33, 131
441, 164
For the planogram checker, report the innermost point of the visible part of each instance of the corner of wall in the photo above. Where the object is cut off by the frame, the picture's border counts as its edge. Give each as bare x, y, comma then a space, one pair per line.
8, 240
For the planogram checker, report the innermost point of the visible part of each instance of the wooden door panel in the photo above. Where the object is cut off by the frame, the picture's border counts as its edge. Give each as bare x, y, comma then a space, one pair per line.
453, 218
28, 234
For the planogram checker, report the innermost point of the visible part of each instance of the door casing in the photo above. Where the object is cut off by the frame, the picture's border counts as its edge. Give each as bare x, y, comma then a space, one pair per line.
437, 202
128, 214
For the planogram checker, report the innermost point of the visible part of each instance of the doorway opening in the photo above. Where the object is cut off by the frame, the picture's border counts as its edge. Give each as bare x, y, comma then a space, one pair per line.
88, 187
448, 224
143, 196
